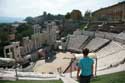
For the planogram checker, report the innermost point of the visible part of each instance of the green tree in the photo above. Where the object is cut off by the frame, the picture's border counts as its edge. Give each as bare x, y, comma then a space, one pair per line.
5, 30
88, 15
4, 33
68, 16
24, 30
3, 36
30, 20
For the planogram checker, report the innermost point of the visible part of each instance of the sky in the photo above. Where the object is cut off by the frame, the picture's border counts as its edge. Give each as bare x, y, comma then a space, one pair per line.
24, 8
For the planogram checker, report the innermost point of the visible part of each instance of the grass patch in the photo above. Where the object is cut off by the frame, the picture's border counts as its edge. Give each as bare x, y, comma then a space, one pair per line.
111, 78
23, 81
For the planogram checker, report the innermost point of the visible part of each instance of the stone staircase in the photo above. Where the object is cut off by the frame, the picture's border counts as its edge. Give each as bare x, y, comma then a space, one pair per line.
11, 75
86, 42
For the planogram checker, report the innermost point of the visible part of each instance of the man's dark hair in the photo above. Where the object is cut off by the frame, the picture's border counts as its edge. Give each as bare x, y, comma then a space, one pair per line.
85, 51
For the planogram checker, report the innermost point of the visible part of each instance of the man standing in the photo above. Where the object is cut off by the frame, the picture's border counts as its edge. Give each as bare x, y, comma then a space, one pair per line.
86, 66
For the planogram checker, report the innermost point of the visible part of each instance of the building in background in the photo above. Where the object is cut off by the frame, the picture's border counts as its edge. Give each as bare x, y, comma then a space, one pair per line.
112, 13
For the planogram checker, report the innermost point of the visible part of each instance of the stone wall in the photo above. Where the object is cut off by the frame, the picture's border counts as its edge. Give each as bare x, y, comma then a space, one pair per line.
13, 51
112, 13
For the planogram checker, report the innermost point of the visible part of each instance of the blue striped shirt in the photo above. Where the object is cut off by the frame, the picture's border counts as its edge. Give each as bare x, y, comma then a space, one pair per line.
85, 65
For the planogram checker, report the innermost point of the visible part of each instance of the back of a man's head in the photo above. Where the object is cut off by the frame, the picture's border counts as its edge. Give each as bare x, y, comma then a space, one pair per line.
85, 51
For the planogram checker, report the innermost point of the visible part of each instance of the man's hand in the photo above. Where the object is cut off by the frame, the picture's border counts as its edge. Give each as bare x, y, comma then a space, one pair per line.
93, 76
78, 77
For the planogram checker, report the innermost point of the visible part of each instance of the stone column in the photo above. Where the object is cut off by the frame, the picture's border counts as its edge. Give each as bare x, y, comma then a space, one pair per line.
5, 55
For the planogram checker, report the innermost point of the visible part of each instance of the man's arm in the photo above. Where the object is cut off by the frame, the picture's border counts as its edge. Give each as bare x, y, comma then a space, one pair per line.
78, 71
92, 70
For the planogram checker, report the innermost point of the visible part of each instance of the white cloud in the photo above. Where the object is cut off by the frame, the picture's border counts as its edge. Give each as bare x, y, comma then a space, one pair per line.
25, 8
